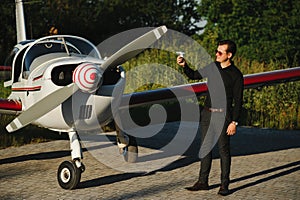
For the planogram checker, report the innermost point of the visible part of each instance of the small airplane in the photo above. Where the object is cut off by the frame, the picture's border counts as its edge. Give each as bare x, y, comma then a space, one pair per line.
54, 78
46, 75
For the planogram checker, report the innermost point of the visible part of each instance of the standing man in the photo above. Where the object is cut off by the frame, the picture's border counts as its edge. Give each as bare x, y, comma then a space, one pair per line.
220, 115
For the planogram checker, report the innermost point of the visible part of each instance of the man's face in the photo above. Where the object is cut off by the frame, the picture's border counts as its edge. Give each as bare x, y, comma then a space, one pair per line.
221, 53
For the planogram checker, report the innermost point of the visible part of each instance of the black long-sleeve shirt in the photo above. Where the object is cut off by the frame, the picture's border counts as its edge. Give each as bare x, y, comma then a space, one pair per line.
219, 79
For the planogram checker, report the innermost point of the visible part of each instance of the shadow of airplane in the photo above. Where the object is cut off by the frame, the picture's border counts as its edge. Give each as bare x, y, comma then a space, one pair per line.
108, 180
36, 156
247, 141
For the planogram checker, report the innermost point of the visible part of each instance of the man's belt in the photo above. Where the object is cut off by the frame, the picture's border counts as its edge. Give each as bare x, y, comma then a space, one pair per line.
219, 110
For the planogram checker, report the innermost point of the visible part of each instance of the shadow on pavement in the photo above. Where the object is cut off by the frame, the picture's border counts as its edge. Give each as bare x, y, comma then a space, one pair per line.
36, 156
108, 180
295, 165
247, 141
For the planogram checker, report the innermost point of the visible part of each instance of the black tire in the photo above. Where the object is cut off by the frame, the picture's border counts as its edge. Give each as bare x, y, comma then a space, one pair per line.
131, 154
68, 175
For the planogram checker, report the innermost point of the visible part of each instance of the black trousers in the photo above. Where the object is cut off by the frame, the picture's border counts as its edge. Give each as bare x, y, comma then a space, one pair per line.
213, 130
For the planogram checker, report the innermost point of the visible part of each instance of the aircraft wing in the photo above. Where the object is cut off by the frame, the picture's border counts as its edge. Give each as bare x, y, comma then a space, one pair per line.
271, 77
159, 95
9, 106
250, 81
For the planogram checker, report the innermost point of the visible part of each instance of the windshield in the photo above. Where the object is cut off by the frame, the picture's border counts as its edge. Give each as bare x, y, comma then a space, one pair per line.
64, 45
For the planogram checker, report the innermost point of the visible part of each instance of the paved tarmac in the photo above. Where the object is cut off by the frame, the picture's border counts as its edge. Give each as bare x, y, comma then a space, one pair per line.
265, 165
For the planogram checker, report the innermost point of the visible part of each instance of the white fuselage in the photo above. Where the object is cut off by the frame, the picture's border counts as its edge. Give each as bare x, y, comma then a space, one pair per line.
50, 72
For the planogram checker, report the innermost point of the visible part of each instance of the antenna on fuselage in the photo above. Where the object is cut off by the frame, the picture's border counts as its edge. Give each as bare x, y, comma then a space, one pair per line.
20, 21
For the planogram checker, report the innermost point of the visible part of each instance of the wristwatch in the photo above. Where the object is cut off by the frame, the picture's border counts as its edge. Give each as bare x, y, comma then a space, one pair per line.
235, 123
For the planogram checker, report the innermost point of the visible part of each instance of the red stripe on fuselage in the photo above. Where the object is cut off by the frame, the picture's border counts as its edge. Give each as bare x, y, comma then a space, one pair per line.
37, 78
36, 88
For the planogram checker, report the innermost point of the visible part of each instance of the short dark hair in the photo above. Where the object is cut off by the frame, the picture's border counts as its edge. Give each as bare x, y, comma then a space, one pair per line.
231, 46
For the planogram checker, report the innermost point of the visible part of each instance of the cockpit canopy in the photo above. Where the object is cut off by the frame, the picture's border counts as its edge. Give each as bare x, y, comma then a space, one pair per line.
34, 53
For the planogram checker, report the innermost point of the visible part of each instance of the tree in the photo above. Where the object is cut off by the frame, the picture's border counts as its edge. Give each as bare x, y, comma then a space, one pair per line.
263, 30
100, 19
7, 31
95, 20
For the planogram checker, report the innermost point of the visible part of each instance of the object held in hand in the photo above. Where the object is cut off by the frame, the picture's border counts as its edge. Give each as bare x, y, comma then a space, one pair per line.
180, 53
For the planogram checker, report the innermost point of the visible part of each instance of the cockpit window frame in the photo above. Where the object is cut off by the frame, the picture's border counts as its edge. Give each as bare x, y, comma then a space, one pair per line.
81, 45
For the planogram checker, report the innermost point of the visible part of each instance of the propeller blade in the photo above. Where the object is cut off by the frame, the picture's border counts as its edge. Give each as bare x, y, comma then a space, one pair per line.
135, 47
42, 107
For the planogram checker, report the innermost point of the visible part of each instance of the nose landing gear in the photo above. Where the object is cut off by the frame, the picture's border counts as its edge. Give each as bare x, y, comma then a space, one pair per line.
69, 172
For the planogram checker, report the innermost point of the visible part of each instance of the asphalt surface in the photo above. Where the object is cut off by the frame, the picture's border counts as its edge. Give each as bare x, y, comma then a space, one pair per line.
265, 165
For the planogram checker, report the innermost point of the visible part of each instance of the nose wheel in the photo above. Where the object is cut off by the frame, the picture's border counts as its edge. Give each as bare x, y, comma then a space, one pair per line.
69, 175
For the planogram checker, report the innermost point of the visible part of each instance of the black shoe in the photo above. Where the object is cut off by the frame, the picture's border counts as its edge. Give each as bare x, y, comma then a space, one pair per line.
224, 191
198, 186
